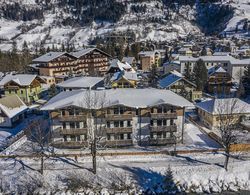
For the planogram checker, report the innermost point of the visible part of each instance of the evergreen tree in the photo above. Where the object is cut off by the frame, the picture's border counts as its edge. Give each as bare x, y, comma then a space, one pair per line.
187, 73
200, 74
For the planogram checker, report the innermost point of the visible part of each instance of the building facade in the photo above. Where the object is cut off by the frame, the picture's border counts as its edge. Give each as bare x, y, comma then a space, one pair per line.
122, 122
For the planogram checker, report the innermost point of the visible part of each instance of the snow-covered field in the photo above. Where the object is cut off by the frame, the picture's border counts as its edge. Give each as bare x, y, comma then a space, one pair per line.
190, 173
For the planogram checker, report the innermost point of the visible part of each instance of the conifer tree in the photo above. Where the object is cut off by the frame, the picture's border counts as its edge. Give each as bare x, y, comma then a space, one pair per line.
200, 75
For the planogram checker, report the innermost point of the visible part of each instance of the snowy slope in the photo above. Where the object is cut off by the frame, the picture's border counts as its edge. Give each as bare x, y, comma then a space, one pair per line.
242, 14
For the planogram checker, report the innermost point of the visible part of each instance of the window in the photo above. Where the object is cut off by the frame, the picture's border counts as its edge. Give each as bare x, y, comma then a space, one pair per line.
164, 122
108, 136
72, 138
121, 136
159, 122
171, 122
151, 122
129, 135
64, 125
116, 123
65, 138
77, 125
72, 125
108, 124
129, 124
121, 124
21, 91
71, 111
152, 110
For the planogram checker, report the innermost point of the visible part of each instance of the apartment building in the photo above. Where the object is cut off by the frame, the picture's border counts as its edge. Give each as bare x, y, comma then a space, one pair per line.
121, 117
233, 66
91, 61
55, 64
149, 59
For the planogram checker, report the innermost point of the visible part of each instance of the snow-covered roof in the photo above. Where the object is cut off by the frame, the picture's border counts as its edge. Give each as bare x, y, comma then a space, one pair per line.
12, 105
220, 70
82, 82
50, 56
172, 79
115, 63
129, 60
20, 79
224, 106
82, 52
136, 98
124, 74
230, 59
221, 53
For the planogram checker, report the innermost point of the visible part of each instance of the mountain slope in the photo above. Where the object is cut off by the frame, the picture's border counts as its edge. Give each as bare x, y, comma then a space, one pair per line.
51, 23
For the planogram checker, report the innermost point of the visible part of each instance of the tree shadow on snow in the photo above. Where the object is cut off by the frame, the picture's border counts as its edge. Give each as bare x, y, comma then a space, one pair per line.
71, 162
152, 182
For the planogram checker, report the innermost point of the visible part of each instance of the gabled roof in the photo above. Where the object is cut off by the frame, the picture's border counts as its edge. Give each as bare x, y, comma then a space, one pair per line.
20, 79
130, 76
82, 52
115, 63
12, 105
135, 98
129, 60
171, 79
82, 82
224, 106
51, 56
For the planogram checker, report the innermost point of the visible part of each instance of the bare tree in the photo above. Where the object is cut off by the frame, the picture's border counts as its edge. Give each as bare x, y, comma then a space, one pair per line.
228, 112
39, 135
94, 103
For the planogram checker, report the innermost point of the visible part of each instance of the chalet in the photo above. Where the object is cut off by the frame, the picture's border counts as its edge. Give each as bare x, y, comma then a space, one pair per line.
82, 82
171, 66
91, 61
12, 111
27, 87
124, 79
178, 84
219, 82
211, 112
56, 64
124, 117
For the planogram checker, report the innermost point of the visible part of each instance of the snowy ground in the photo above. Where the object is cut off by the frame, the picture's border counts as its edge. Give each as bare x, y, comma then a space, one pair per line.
197, 173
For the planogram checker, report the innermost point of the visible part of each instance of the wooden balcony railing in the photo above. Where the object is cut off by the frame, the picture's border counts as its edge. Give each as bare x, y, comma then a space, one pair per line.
161, 141
171, 128
118, 116
112, 143
164, 115
119, 130
70, 118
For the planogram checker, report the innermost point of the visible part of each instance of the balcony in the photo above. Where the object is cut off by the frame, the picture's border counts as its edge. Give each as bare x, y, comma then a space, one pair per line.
70, 144
113, 143
73, 131
161, 141
164, 115
119, 130
171, 128
118, 116
69, 118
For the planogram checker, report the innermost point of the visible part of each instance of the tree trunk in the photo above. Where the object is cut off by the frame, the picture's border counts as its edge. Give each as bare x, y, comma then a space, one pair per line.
94, 156
226, 159
42, 165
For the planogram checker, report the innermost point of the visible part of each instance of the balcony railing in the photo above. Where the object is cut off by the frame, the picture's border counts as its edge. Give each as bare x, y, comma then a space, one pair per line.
112, 143
118, 116
171, 128
79, 131
164, 115
70, 118
161, 141
119, 130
